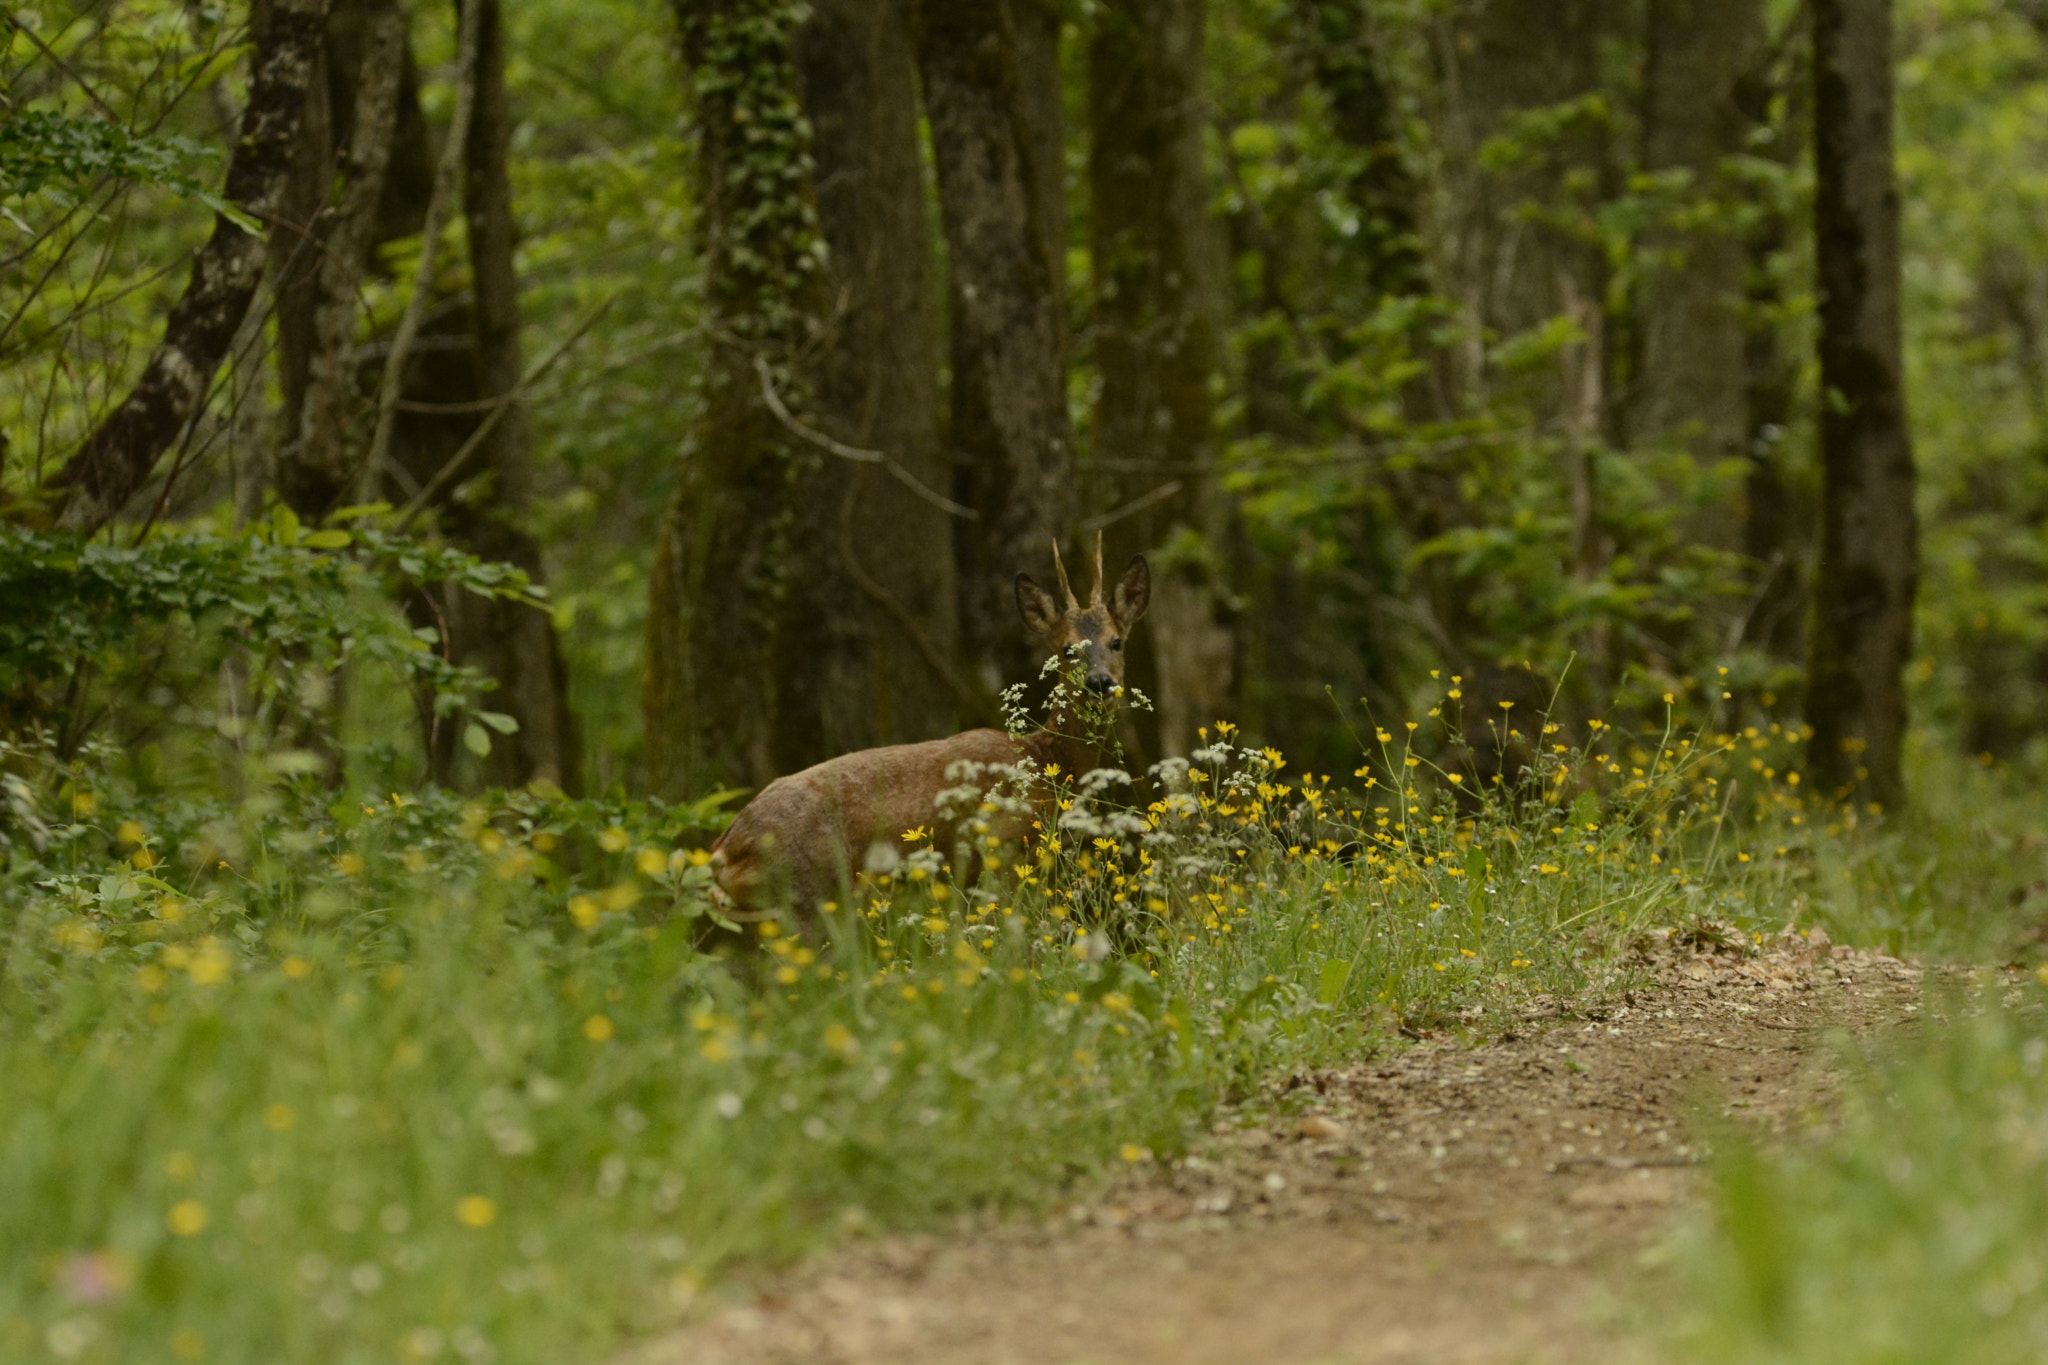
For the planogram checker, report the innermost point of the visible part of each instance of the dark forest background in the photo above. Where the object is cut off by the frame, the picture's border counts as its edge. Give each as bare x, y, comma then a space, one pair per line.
1569, 349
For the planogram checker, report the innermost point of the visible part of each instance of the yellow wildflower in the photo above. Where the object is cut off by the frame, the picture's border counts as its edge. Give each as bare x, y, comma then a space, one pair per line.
476, 1210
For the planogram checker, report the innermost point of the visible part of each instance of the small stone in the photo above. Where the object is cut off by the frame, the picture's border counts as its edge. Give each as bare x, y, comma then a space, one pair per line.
1317, 1128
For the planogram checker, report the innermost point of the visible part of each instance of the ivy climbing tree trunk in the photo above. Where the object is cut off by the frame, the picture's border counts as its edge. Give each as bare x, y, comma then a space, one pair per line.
1869, 554
1009, 401
1365, 117
117, 457
715, 695
1156, 346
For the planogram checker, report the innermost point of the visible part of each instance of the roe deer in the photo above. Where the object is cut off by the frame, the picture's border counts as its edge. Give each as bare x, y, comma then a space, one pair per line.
804, 835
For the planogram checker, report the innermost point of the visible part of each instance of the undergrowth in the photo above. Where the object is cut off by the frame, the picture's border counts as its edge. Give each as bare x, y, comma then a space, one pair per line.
1909, 1223
1914, 1228
316, 1076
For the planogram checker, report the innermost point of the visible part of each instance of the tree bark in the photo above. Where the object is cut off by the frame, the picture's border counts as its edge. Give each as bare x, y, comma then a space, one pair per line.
1009, 404
316, 464
512, 643
1156, 346
1365, 118
725, 562
874, 635
1777, 520
118, 456
1688, 384
1869, 558
1522, 56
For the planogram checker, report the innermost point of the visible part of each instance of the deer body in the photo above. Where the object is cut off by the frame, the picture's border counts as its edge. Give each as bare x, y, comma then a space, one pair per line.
797, 842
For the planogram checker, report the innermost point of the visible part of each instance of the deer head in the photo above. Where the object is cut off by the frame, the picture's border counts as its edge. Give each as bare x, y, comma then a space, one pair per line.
1095, 633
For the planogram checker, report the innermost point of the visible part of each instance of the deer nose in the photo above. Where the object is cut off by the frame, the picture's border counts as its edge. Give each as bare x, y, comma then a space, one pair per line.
1100, 683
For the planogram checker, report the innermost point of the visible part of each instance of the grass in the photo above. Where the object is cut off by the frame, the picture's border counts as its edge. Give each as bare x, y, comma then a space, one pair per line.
306, 1077
1916, 1231
1912, 1226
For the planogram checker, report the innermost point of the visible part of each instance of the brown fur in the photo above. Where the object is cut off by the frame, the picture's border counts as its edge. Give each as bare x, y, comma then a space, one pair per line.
805, 835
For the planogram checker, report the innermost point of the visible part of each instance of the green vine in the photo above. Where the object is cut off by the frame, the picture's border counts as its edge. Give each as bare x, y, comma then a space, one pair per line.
764, 258
764, 252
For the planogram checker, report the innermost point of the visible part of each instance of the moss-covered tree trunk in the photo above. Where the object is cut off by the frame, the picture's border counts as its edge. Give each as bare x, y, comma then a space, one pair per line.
320, 260
1512, 269
1777, 515
802, 602
724, 565
1338, 43
1869, 556
1154, 254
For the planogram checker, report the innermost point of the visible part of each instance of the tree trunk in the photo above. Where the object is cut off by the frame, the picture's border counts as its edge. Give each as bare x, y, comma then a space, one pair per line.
1689, 379
1156, 347
316, 464
297, 251
1777, 522
1869, 558
1009, 401
716, 701
875, 632
514, 644
119, 455
1365, 118
1517, 56
1036, 26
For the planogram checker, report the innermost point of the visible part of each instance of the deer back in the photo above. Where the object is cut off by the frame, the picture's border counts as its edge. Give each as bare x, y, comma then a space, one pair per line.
805, 834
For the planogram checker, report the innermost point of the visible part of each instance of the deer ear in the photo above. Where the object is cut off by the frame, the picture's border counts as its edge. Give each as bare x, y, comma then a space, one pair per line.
1041, 614
1133, 592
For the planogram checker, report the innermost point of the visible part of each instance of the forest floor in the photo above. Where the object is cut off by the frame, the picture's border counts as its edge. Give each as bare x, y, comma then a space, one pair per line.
1448, 1203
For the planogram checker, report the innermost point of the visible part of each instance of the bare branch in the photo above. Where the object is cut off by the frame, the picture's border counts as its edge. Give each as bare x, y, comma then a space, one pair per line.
854, 453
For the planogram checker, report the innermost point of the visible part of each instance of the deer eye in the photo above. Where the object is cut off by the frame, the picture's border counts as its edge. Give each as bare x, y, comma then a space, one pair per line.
1116, 644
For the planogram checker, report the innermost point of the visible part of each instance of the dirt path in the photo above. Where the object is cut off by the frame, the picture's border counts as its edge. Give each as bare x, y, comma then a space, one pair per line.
1445, 1205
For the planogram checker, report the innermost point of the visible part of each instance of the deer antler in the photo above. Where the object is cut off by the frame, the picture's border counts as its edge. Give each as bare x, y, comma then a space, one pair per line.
1095, 598
1073, 603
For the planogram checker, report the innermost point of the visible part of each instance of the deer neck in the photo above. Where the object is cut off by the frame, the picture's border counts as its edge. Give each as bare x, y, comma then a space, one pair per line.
1064, 741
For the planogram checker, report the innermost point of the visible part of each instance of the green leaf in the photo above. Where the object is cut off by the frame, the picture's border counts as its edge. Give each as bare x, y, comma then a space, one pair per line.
1330, 986
477, 740
1475, 865
705, 805
1475, 886
1586, 811
357, 511
328, 540
284, 525
499, 721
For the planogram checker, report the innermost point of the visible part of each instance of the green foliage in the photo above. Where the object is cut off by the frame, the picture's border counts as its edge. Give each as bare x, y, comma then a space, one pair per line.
110, 158
41, 148
1405, 482
1975, 208
84, 627
309, 1073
